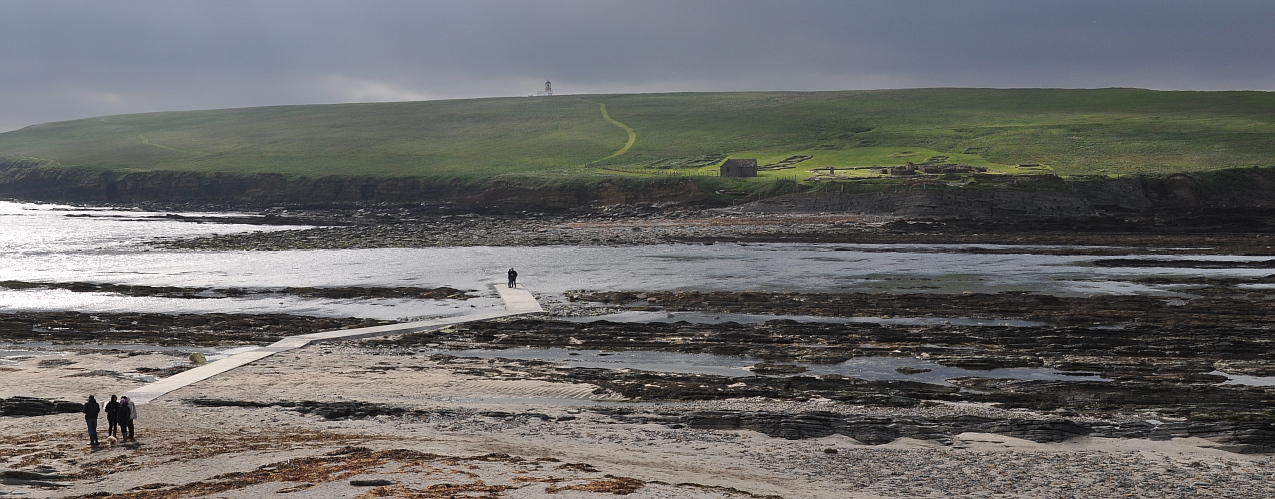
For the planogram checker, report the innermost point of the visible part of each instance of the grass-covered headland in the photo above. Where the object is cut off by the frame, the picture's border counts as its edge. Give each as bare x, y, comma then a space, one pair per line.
568, 139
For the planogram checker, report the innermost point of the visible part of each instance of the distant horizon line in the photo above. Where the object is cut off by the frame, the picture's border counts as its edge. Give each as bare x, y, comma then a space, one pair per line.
559, 94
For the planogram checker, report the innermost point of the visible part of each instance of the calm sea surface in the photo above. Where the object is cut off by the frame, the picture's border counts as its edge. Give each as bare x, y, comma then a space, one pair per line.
50, 243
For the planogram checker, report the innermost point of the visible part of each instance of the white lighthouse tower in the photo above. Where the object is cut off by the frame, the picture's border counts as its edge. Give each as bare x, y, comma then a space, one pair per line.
548, 89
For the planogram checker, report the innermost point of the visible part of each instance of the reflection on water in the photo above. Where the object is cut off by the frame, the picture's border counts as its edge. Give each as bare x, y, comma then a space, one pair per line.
869, 368
52, 300
29, 228
1243, 379
40, 244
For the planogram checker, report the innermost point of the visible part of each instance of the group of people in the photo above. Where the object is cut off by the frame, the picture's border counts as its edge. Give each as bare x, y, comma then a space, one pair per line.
119, 412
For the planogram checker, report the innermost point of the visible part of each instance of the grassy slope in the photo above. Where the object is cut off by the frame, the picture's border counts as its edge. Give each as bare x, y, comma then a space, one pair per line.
1109, 131
1076, 132
451, 139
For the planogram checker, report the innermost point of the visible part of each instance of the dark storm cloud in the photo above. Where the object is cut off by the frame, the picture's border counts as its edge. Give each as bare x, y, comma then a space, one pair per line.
71, 59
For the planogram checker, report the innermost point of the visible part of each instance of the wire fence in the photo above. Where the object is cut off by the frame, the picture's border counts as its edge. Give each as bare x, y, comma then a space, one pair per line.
656, 172
698, 173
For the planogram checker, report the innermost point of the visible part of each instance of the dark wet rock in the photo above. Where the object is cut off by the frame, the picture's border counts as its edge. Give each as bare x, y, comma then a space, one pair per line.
1250, 231
379, 482
1244, 438
1246, 367
166, 329
876, 430
1052, 430
33, 478
1240, 437
983, 361
1196, 402
1144, 367
772, 368
165, 371
1181, 354
792, 427
911, 370
31, 406
327, 410
1182, 263
645, 385
1215, 402
348, 410
200, 293
1057, 310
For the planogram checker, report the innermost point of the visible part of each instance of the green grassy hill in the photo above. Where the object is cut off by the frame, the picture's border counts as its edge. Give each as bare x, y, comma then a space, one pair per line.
1068, 132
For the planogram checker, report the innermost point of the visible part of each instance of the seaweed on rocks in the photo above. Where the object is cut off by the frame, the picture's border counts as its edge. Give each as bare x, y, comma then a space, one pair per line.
1169, 370
31, 406
198, 293
1245, 438
1181, 354
166, 329
1243, 232
1057, 310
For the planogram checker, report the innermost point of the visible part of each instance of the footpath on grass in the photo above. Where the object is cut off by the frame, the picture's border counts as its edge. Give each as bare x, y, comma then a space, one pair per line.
632, 136
518, 301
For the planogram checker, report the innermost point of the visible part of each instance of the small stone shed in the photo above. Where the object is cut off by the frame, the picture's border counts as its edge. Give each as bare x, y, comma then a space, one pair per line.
739, 168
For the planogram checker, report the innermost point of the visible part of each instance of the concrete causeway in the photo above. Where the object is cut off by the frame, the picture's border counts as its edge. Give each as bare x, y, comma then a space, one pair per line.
518, 301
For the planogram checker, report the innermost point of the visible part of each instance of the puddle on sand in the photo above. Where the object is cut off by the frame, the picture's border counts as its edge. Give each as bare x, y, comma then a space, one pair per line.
10, 352
1244, 379
869, 368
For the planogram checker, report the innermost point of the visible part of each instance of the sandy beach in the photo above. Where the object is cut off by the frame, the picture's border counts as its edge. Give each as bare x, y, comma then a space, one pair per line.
453, 428
415, 416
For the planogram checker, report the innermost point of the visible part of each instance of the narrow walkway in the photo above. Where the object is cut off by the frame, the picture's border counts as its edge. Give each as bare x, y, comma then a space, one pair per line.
518, 301
627, 130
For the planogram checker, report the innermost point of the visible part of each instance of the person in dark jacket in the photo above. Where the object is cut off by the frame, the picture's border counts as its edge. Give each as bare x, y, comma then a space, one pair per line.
91, 411
111, 421
125, 415
513, 278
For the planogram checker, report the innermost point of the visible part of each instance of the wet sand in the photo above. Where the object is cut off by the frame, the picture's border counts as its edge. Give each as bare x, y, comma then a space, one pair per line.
377, 419
482, 427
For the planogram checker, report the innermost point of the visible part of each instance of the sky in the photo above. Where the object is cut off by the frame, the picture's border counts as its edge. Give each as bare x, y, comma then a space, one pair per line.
64, 59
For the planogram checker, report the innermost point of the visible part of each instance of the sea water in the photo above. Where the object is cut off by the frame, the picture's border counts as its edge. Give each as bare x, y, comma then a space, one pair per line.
57, 244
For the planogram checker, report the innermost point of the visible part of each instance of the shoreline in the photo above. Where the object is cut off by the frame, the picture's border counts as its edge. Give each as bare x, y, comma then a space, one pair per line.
315, 420
467, 416
1251, 234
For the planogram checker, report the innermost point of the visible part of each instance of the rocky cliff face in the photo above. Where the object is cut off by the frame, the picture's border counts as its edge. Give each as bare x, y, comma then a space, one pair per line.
971, 203
22, 181
1250, 188
1239, 189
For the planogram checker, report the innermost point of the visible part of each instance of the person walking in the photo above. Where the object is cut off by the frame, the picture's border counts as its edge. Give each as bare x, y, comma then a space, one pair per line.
91, 412
111, 421
513, 278
126, 413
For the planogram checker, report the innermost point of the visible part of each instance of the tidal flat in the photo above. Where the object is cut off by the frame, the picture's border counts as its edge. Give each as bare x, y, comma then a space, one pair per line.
1020, 360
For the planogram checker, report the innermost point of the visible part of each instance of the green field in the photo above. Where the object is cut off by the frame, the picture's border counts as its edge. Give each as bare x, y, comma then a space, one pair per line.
1068, 132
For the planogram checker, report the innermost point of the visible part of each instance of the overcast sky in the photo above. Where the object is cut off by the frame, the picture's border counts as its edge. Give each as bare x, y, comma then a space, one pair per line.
63, 60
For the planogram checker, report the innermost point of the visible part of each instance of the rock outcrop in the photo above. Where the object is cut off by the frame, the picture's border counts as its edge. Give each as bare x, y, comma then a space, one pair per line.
24, 181
1248, 188
987, 196
31, 406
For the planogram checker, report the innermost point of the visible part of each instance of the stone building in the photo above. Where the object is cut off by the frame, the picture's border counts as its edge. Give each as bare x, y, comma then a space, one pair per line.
739, 168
